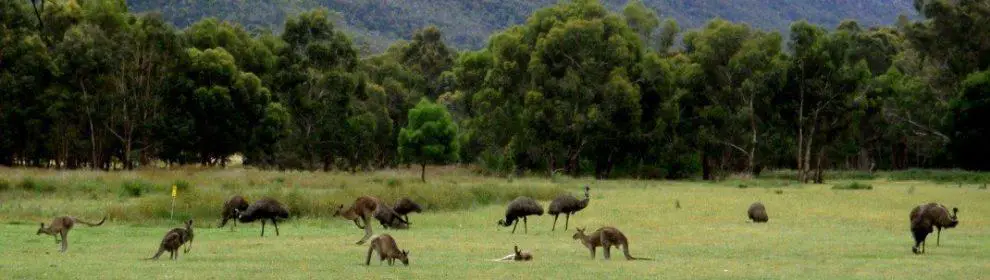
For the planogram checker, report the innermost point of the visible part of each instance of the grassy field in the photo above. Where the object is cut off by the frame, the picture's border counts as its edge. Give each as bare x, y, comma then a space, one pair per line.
814, 232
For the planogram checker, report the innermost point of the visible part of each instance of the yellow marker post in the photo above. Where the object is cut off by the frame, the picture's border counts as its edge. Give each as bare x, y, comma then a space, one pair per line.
174, 193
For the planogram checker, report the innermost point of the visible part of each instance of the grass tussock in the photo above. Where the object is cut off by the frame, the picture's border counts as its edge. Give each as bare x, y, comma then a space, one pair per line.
853, 186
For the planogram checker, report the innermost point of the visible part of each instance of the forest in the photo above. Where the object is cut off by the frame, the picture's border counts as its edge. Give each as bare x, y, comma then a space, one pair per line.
466, 24
577, 88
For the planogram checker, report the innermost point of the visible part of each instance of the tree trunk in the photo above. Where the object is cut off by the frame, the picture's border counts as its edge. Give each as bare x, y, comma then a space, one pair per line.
422, 173
752, 149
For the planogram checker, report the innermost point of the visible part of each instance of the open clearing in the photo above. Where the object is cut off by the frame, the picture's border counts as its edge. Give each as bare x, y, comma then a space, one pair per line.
814, 233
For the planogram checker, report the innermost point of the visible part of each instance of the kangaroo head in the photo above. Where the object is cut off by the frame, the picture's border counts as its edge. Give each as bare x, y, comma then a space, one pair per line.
404, 257
339, 211
189, 224
579, 234
41, 229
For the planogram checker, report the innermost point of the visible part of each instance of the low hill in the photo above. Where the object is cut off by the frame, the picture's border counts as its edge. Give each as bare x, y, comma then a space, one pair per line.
468, 23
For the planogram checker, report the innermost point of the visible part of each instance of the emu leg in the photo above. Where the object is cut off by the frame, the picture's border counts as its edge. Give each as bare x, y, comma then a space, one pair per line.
514, 225
234, 226
526, 224
276, 226
938, 236
407, 218
555, 222
567, 220
592, 252
262, 228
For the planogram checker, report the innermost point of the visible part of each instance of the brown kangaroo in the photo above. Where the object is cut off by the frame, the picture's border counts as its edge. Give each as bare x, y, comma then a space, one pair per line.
174, 239
363, 209
605, 237
60, 228
517, 256
387, 250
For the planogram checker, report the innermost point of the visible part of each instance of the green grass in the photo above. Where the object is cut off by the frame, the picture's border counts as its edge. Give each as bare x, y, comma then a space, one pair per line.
814, 233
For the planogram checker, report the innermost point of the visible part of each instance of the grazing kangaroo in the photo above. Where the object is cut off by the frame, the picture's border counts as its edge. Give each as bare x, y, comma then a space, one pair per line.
387, 250
60, 228
517, 256
174, 239
605, 237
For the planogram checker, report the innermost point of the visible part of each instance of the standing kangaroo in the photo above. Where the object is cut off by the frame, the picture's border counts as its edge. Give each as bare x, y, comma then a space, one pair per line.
60, 228
387, 250
605, 237
361, 212
174, 239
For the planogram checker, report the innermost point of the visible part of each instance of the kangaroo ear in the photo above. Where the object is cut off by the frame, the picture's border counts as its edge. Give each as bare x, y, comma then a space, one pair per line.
42, 225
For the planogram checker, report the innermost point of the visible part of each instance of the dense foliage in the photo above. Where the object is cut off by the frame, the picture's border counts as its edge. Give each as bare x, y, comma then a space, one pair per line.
468, 23
578, 89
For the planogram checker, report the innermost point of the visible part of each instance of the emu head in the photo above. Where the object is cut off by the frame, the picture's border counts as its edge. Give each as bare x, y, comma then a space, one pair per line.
587, 190
579, 234
339, 211
237, 213
404, 257
41, 229
954, 219
502, 223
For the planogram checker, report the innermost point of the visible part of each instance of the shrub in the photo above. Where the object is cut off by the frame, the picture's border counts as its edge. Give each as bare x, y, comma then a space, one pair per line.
853, 186
136, 188
743, 186
4, 185
31, 184
182, 185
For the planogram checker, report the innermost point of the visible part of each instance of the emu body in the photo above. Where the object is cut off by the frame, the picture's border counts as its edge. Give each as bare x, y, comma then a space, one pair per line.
265, 209
758, 213
405, 206
568, 205
926, 216
60, 227
387, 250
605, 237
518, 209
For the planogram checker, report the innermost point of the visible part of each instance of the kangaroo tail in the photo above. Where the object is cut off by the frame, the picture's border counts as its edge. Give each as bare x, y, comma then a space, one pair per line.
160, 251
92, 224
625, 251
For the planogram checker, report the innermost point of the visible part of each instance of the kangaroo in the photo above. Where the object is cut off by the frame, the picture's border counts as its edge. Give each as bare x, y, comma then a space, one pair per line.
517, 256
60, 228
387, 250
605, 237
361, 212
174, 239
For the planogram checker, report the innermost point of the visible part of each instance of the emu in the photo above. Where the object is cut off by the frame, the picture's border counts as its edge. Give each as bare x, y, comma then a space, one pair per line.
264, 210
405, 206
230, 208
758, 213
926, 216
568, 205
520, 208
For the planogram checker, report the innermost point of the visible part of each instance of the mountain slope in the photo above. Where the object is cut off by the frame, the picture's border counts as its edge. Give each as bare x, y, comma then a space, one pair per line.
468, 23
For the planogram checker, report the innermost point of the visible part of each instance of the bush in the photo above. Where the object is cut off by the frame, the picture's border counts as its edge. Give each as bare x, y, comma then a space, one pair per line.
182, 185
743, 186
4, 185
853, 186
31, 184
136, 188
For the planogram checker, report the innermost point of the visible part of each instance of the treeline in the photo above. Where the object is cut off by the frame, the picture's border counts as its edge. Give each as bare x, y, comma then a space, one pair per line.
577, 89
